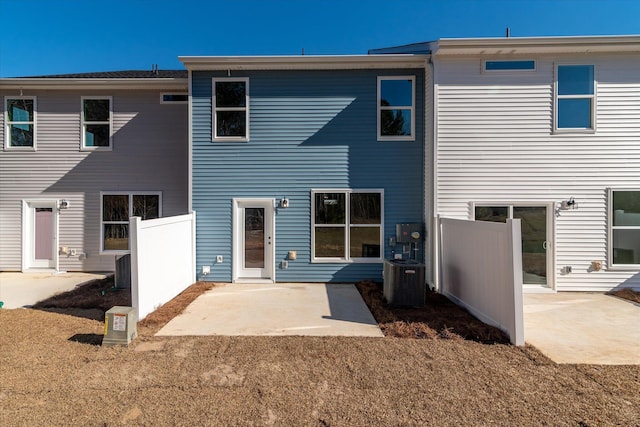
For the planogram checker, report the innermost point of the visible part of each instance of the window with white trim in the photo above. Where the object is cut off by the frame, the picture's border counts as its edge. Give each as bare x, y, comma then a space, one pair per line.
347, 225
20, 119
174, 98
575, 101
230, 106
396, 108
117, 208
96, 122
624, 238
509, 65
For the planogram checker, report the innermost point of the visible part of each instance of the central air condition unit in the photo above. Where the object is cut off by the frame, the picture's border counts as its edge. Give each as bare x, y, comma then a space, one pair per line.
404, 283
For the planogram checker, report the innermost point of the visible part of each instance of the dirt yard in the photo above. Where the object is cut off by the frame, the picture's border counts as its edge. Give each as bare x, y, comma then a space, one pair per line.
54, 372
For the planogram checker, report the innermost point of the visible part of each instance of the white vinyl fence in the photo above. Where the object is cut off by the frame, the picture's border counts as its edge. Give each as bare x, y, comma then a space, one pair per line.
481, 268
162, 260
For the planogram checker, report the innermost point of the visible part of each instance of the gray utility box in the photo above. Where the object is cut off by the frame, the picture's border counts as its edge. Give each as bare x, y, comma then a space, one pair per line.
120, 326
404, 283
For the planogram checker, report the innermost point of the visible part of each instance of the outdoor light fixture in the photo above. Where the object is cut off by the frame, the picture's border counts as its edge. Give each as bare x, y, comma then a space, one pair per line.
568, 204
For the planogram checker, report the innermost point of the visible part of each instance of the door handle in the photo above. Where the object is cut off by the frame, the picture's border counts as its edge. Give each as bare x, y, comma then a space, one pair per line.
544, 245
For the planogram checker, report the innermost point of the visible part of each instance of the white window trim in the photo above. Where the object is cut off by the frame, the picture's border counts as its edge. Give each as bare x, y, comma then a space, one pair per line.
215, 109
125, 193
556, 97
7, 128
611, 227
347, 226
512, 70
411, 137
162, 101
83, 123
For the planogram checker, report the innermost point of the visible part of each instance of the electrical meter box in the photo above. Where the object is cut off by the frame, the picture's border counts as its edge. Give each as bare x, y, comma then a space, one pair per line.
120, 326
404, 232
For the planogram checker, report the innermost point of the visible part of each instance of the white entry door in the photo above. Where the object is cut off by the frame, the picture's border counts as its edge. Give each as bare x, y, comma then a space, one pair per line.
253, 240
40, 234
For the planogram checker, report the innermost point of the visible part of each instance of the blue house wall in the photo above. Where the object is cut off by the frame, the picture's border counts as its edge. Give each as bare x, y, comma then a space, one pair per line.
308, 130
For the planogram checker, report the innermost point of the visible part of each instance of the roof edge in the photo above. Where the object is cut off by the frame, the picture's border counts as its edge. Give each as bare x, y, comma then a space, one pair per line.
93, 83
550, 44
303, 62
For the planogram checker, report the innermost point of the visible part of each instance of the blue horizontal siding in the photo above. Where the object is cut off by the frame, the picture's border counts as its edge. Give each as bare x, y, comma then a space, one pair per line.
308, 130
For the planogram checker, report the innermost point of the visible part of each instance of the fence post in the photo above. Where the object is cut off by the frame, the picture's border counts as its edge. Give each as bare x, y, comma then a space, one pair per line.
134, 226
194, 274
517, 336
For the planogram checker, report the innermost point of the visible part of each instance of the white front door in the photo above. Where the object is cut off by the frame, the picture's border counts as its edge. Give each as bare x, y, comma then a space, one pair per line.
40, 234
253, 240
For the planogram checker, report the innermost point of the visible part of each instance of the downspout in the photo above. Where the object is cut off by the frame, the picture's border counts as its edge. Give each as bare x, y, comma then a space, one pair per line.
435, 227
190, 144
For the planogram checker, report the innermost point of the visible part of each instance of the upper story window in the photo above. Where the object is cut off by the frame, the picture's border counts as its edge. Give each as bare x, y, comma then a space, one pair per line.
20, 122
510, 65
575, 98
96, 123
347, 225
116, 210
624, 239
174, 98
396, 108
230, 109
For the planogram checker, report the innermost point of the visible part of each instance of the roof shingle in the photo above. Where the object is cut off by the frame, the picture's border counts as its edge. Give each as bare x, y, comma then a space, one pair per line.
125, 74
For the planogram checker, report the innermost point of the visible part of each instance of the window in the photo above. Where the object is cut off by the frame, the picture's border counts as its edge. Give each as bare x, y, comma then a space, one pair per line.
396, 108
174, 98
624, 238
510, 65
230, 109
96, 123
117, 208
347, 225
21, 122
575, 97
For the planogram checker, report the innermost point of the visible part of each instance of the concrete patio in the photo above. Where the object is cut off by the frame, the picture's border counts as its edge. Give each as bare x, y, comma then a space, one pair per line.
279, 309
25, 289
583, 327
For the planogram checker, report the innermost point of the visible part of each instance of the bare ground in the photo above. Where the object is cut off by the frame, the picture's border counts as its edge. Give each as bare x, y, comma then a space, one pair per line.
54, 374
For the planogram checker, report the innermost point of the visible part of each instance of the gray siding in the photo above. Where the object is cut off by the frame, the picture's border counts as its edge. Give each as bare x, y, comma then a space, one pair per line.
149, 154
309, 130
495, 144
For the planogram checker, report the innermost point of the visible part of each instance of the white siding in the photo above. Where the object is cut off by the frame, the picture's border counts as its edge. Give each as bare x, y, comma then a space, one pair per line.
495, 143
149, 153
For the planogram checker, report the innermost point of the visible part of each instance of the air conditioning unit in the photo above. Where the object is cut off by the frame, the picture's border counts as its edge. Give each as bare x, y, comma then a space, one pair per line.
123, 271
404, 283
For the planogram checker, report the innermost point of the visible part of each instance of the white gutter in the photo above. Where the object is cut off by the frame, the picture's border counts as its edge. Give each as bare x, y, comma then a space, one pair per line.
529, 45
303, 62
94, 83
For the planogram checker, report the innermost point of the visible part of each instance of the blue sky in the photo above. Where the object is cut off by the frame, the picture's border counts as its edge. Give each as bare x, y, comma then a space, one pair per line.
66, 36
